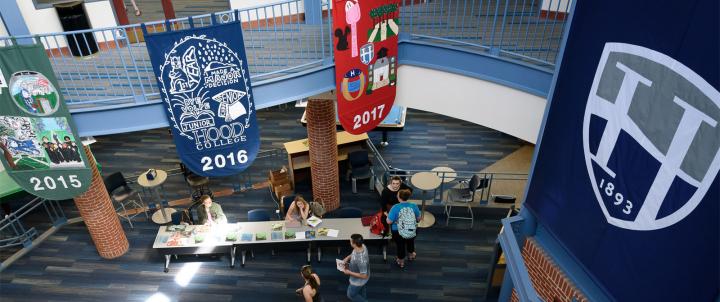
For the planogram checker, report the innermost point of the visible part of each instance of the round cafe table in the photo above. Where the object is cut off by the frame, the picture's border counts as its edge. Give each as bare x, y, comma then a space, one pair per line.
447, 175
426, 181
163, 215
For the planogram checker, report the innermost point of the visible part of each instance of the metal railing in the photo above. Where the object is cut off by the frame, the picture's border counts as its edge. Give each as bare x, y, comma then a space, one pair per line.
14, 233
491, 180
104, 67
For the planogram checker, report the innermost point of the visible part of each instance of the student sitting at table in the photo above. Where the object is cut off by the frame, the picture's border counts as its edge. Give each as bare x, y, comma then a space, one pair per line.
299, 209
210, 213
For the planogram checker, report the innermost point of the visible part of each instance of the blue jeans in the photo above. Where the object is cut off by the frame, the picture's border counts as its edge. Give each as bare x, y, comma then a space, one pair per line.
357, 293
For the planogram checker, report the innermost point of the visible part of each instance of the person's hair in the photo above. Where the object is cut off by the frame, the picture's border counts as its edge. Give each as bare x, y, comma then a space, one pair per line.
357, 239
404, 194
205, 197
394, 178
299, 198
307, 274
66, 137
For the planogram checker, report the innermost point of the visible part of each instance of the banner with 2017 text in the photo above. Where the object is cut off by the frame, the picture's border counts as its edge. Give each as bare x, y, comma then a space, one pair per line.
41, 150
366, 49
203, 77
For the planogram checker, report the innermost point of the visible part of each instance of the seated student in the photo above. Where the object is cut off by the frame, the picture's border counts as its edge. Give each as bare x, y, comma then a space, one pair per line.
210, 213
388, 197
299, 209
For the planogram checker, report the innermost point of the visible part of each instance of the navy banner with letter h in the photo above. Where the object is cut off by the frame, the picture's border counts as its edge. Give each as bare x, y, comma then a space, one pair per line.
203, 78
626, 175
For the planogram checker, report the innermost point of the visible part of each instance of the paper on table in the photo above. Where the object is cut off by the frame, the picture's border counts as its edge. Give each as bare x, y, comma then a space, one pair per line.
333, 233
299, 235
340, 265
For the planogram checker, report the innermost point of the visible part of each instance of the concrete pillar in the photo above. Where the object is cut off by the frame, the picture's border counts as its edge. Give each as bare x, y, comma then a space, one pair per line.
322, 141
100, 217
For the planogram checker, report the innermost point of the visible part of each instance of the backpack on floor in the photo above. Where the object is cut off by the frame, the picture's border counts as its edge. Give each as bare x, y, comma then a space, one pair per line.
407, 223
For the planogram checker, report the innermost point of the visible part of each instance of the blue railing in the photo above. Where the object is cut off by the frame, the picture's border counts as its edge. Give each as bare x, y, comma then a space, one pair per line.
105, 67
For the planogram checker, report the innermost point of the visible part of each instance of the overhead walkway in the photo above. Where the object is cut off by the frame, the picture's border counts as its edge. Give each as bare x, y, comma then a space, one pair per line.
114, 90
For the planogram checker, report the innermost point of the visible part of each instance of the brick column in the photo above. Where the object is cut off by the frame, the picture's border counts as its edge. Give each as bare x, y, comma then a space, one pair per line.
99, 215
323, 152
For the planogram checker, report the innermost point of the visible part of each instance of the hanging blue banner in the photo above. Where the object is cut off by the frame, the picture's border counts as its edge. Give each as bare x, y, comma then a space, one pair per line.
626, 175
203, 78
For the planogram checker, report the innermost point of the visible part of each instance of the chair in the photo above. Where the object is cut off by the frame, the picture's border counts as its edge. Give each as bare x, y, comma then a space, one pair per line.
123, 196
360, 169
199, 185
464, 196
256, 215
348, 212
285, 203
259, 215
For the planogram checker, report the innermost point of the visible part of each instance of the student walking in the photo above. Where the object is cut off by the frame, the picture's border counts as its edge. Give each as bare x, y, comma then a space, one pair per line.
311, 290
403, 218
357, 268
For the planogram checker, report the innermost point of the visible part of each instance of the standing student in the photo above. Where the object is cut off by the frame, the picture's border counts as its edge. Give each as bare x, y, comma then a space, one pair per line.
388, 197
403, 218
357, 268
311, 290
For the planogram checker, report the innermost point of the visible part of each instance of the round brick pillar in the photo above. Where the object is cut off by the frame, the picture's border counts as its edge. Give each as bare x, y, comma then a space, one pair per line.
322, 141
100, 217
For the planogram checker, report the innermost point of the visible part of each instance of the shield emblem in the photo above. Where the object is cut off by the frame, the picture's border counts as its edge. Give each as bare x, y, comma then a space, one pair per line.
367, 53
650, 137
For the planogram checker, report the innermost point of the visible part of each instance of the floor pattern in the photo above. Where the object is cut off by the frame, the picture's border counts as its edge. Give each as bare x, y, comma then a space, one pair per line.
453, 261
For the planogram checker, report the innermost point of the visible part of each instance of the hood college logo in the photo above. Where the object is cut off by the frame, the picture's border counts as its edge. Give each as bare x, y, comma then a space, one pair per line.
651, 137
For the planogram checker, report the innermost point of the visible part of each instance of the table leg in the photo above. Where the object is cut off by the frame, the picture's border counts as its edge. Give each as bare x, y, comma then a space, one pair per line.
162, 208
384, 141
308, 254
232, 257
427, 219
385, 251
319, 254
167, 263
242, 254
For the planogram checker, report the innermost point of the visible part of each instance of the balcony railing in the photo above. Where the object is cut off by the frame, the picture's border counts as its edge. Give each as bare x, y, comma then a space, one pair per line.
104, 67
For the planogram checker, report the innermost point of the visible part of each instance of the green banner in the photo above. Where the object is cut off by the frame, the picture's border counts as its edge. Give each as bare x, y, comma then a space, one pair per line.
40, 147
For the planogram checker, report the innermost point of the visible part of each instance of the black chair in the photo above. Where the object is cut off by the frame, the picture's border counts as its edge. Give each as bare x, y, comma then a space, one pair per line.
126, 199
464, 196
285, 203
348, 212
199, 185
360, 168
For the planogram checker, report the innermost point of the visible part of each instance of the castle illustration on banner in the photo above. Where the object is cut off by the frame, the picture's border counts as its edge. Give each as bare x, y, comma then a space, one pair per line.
207, 91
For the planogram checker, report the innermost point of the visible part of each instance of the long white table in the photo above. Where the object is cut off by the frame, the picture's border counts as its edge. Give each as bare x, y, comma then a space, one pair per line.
215, 241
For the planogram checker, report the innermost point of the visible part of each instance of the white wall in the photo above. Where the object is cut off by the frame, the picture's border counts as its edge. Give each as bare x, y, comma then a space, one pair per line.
277, 11
492, 105
3, 30
562, 6
46, 20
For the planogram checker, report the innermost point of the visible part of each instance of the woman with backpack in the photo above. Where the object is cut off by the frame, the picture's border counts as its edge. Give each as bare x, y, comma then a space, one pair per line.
403, 218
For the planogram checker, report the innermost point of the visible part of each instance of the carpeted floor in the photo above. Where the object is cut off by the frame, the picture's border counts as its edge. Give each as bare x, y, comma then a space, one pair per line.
453, 261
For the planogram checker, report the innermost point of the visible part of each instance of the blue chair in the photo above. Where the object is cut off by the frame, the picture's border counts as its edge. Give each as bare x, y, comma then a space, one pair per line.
348, 212
259, 215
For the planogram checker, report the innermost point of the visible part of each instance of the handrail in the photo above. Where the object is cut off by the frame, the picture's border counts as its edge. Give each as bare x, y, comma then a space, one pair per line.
120, 72
513, 258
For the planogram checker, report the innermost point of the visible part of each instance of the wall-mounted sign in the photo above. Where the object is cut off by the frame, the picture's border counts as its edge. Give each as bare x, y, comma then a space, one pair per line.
204, 82
41, 149
365, 46
626, 176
